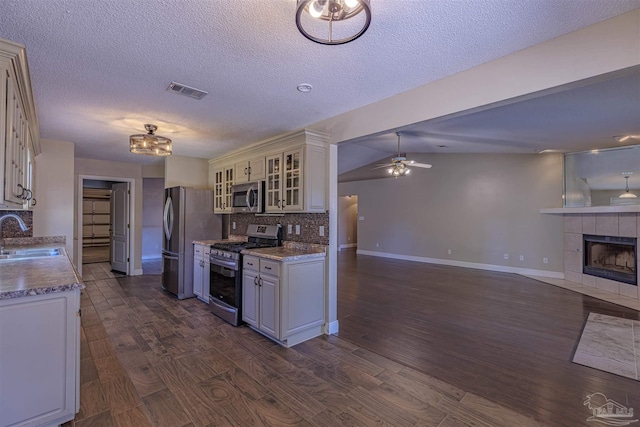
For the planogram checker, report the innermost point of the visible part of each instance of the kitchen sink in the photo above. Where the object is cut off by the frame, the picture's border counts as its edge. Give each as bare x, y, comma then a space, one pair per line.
30, 253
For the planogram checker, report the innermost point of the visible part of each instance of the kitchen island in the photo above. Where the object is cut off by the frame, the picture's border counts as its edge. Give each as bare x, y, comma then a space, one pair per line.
39, 334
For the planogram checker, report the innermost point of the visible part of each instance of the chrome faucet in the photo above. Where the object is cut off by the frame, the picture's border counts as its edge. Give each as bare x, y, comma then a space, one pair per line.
21, 223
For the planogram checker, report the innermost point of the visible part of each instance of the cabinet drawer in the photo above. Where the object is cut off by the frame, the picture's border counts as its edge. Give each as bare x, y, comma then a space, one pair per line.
206, 251
250, 263
270, 267
198, 250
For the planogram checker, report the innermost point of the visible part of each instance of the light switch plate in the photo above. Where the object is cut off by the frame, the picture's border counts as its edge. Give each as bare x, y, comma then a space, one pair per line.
322, 230
297, 228
233, 224
289, 229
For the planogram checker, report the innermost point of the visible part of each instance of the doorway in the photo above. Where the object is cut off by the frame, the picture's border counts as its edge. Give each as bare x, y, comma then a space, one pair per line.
347, 222
105, 220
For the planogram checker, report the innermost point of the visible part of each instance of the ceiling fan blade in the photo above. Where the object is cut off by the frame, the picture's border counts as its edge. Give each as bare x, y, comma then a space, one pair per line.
383, 166
418, 165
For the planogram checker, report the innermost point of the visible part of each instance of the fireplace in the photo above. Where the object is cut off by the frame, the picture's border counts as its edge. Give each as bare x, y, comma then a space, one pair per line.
611, 257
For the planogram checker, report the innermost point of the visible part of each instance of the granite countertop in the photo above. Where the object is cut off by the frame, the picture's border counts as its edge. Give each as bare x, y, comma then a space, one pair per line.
232, 238
37, 276
290, 251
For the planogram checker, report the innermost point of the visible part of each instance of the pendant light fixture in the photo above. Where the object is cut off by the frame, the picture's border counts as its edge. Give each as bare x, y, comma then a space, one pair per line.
333, 21
627, 194
149, 143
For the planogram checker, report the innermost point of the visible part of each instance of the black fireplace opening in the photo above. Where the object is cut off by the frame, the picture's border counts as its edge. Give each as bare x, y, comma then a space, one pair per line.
611, 257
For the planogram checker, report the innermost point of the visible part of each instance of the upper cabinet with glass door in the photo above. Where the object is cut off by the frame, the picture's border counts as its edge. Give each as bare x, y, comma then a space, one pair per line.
222, 188
19, 136
295, 170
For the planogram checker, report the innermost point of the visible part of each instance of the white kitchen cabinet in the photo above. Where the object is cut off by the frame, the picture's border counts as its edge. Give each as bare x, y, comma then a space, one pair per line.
284, 300
250, 170
18, 129
222, 190
294, 167
201, 273
294, 183
40, 359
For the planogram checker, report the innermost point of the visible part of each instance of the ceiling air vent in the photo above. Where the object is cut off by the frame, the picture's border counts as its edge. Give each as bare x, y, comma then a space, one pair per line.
186, 90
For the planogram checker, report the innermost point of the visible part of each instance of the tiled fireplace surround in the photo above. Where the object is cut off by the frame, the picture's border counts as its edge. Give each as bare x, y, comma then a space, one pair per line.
602, 224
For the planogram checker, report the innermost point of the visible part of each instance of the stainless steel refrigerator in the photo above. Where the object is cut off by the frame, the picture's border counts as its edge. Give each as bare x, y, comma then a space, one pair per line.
188, 216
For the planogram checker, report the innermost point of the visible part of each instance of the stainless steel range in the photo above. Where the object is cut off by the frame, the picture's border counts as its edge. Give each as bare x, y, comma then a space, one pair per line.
225, 260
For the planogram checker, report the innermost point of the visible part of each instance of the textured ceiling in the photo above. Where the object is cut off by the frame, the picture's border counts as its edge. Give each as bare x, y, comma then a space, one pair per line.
100, 68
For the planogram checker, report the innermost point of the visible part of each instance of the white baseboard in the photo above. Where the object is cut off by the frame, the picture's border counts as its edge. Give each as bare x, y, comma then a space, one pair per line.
479, 266
347, 245
137, 272
331, 328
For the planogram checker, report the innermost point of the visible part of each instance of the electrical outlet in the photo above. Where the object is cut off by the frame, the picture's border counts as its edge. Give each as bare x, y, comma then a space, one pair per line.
449, 251
545, 260
321, 230
521, 257
506, 256
233, 225
289, 229
297, 228
377, 245
361, 218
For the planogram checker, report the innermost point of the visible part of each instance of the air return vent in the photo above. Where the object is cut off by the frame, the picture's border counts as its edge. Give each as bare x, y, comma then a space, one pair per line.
186, 90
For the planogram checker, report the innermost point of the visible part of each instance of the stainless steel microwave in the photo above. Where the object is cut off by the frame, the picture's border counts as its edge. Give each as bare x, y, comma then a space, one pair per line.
248, 197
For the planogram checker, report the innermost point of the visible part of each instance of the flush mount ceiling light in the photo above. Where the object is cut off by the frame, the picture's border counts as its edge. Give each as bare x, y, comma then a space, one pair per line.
627, 194
304, 87
150, 143
333, 21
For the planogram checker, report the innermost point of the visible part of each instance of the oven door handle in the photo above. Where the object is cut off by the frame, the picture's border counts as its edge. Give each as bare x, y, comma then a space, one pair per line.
228, 264
221, 307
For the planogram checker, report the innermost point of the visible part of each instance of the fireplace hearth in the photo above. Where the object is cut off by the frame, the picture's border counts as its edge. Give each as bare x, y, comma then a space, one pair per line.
611, 257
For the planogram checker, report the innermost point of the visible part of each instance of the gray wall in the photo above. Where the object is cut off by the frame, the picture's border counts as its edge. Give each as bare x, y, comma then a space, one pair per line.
152, 204
347, 220
480, 206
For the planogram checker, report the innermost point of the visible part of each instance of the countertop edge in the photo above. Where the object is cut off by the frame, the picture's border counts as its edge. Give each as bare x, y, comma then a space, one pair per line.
7, 295
264, 253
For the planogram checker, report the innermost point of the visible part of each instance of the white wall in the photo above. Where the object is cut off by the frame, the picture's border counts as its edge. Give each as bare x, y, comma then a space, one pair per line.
186, 171
347, 221
152, 204
53, 213
480, 206
111, 170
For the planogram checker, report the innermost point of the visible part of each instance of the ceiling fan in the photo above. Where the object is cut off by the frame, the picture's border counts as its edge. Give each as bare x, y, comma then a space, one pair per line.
399, 165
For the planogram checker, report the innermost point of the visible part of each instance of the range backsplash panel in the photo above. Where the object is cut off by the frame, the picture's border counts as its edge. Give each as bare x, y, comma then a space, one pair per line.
10, 227
309, 225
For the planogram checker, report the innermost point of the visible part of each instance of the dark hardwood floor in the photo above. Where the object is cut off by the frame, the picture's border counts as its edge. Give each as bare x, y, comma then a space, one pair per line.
419, 345
148, 359
504, 337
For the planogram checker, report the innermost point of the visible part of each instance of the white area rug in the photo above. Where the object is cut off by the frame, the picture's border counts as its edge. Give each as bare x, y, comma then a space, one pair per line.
610, 344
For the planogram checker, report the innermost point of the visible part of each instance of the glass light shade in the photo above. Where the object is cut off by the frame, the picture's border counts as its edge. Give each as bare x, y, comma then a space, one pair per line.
150, 144
627, 194
333, 22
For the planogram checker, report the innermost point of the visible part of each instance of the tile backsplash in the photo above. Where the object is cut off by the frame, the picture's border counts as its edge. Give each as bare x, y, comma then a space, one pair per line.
10, 228
309, 223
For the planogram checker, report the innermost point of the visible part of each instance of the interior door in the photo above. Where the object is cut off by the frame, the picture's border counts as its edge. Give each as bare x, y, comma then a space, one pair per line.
120, 227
